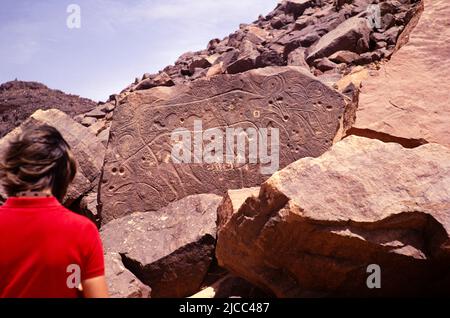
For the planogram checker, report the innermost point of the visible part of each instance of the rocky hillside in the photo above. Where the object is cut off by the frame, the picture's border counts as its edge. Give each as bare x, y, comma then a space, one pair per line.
19, 99
358, 92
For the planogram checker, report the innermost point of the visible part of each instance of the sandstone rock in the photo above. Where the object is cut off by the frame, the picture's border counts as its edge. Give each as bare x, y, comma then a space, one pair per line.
200, 62
18, 100
295, 39
243, 64
108, 107
162, 79
324, 64
88, 121
297, 7
139, 172
170, 249
297, 58
87, 149
351, 35
344, 57
409, 96
96, 113
89, 207
121, 282
317, 224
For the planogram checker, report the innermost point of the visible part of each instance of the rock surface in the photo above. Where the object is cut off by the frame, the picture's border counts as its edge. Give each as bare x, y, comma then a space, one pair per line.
87, 149
18, 100
169, 250
139, 171
409, 97
317, 224
121, 282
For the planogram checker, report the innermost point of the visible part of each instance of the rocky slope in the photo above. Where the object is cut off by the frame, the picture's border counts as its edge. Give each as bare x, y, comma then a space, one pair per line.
19, 99
361, 105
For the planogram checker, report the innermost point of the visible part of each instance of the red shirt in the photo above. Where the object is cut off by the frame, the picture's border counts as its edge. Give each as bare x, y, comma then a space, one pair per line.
42, 246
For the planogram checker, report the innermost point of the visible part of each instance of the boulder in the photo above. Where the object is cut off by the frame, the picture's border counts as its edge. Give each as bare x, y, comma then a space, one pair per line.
351, 35
320, 226
296, 7
121, 282
170, 249
324, 64
297, 58
347, 57
87, 148
409, 96
97, 112
140, 173
162, 79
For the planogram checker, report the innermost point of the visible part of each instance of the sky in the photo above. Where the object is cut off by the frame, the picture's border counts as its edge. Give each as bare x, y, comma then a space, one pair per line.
117, 40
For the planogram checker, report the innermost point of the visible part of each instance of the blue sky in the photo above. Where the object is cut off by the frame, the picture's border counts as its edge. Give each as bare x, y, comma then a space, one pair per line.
118, 40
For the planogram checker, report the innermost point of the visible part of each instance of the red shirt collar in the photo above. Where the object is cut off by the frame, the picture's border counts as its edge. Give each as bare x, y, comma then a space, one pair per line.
31, 202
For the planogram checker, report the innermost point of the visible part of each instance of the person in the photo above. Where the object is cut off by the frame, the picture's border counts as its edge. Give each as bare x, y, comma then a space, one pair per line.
46, 250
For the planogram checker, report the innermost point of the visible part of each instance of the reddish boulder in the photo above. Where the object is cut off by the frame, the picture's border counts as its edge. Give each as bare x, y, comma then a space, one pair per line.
121, 282
409, 96
352, 35
87, 148
169, 250
317, 225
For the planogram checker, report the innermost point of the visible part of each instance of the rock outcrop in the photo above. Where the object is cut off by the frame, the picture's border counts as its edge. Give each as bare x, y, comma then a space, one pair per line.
87, 149
408, 98
140, 173
318, 28
316, 226
18, 100
169, 250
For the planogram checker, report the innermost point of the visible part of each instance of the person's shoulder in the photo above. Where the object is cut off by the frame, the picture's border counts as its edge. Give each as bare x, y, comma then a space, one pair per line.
78, 219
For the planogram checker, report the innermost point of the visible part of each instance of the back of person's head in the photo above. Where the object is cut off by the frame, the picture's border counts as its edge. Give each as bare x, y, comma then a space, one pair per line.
38, 159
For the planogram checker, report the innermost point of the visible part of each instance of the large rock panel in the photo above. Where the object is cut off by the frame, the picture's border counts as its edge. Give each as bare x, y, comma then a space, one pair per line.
316, 226
139, 174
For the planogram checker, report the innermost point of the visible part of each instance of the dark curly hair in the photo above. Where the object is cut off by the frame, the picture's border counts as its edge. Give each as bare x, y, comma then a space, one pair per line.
38, 159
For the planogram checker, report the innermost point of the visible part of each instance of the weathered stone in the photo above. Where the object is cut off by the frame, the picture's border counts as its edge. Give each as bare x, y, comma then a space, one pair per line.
103, 136
18, 100
344, 57
109, 107
121, 282
409, 96
139, 172
87, 149
324, 64
297, 58
162, 79
295, 39
350, 35
170, 249
297, 7
316, 226
88, 121
200, 62
89, 206
97, 112
243, 64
